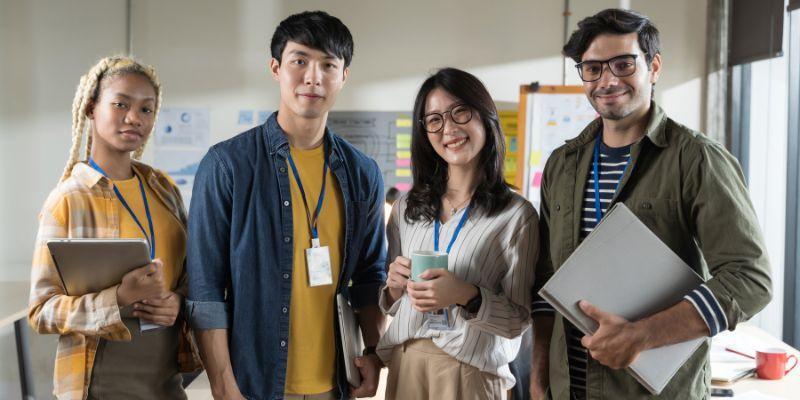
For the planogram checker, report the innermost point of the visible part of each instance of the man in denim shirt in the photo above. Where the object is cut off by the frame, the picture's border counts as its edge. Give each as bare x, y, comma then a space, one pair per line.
267, 205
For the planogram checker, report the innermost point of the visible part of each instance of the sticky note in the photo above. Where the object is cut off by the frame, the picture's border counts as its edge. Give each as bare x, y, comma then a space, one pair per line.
403, 172
403, 140
536, 158
404, 163
403, 123
511, 166
537, 179
403, 187
403, 154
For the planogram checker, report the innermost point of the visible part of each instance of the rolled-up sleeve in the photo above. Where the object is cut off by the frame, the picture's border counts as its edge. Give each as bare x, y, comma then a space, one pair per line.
208, 249
370, 274
729, 236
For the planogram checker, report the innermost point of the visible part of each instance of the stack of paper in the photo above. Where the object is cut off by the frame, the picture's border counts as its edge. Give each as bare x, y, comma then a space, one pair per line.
727, 366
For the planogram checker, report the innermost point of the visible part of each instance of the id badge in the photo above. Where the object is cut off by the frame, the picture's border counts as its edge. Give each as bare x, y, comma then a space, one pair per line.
440, 320
145, 326
318, 262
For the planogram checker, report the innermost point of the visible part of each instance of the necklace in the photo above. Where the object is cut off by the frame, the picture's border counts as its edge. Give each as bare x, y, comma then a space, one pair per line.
454, 209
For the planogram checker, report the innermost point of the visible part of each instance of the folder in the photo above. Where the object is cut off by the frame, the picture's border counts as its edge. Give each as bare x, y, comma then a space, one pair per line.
624, 268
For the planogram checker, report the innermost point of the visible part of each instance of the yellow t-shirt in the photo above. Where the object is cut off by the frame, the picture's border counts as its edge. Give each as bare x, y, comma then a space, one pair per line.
170, 235
312, 355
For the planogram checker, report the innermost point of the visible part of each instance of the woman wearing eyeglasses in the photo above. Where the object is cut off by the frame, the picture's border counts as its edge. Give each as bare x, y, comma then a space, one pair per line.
455, 330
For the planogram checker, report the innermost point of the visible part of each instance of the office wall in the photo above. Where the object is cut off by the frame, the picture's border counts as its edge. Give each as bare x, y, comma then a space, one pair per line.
214, 54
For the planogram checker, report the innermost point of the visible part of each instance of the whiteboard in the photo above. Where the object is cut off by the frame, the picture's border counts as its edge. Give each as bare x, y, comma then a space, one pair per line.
550, 120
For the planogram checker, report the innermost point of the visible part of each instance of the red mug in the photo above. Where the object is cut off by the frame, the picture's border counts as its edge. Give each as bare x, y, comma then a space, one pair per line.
771, 363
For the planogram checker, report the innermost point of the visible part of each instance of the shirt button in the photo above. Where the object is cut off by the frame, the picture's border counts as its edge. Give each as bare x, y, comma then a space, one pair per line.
647, 206
285, 310
287, 239
558, 207
285, 276
283, 343
286, 203
282, 169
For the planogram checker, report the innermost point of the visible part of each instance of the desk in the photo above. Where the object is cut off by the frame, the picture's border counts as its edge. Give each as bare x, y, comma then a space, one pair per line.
14, 310
787, 388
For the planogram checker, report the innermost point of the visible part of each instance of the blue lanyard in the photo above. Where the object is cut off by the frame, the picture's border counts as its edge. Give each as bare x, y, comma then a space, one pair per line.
312, 221
152, 237
460, 225
598, 209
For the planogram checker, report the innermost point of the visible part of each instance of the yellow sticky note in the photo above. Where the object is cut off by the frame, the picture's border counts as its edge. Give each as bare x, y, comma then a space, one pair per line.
511, 166
403, 155
403, 173
403, 123
536, 158
403, 140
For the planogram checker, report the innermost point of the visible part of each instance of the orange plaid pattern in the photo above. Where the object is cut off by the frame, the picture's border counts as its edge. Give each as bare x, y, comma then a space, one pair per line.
84, 206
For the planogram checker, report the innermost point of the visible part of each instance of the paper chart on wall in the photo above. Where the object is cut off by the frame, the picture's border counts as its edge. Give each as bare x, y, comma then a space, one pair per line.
181, 140
385, 136
553, 118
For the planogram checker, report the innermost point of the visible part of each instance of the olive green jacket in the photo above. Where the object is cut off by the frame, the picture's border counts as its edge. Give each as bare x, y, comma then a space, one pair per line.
691, 193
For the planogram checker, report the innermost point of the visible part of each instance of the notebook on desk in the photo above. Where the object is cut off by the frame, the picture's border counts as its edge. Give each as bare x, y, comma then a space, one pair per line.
625, 269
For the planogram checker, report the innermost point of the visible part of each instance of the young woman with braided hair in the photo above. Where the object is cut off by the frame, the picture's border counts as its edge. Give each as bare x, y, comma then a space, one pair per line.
109, 194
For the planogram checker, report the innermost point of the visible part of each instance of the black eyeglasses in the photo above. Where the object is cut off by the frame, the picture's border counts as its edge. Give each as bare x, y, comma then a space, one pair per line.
434, 122
620, 66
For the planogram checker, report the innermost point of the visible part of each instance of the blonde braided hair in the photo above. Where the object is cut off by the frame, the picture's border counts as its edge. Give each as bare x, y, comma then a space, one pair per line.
87, 94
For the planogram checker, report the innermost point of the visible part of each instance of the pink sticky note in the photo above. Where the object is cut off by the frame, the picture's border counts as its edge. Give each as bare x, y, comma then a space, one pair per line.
404, 163
403, 187
537, 179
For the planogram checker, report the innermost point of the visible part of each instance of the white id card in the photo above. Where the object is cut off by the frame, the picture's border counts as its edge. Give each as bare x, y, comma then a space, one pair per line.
318, 262
440, 320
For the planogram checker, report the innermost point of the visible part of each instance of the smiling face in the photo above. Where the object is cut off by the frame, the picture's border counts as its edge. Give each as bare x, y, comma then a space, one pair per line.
616, 98
309, 80
458, 144
123, 114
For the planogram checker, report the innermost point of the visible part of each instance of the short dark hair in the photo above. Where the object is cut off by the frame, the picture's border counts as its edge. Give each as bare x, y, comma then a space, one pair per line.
316, 29
614, 21
429, 170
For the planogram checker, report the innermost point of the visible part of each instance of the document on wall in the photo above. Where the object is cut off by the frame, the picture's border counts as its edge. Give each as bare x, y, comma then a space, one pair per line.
624, 268
182, 138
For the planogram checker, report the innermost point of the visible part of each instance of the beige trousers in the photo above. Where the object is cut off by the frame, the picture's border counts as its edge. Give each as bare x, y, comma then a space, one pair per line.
321, 396
420, 370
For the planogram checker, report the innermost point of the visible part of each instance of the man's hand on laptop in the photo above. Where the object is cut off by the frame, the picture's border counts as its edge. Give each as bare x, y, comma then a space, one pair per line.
617, 341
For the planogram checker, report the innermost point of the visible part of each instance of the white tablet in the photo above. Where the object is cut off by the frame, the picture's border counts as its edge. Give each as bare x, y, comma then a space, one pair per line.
91, 265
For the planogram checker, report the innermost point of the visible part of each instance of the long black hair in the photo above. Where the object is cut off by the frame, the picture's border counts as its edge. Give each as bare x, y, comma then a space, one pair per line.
430, 170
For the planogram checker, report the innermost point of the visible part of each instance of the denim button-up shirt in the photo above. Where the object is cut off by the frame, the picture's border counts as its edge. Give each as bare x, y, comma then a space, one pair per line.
241, 247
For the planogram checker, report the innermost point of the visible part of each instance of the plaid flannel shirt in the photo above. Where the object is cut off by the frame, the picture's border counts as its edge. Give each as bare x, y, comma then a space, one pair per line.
84, 206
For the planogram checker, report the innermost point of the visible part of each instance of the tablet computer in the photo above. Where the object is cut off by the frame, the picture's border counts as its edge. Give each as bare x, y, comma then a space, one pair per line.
352, 342
91, 265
